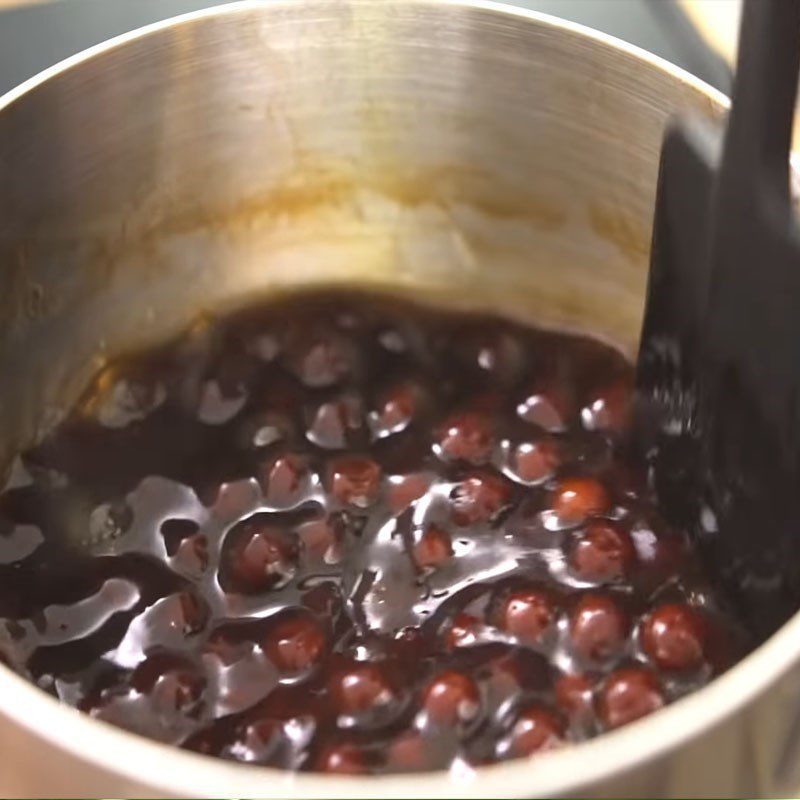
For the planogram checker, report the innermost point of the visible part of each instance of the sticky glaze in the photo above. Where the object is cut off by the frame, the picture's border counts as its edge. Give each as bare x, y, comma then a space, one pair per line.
343, 533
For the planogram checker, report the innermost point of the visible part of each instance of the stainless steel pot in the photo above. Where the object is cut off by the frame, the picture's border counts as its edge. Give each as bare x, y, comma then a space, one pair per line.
462, 152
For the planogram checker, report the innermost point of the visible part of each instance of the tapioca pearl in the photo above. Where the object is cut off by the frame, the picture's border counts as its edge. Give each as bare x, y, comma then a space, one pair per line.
411, 752
184, 613
672, 554
351, 319
206, 741
534, 461
261, 741
575, 499
154, 666
175, 530
549, 408
319, 540
462, 631
342, 759
409, 637
240, 672
433, 548
530, 670
451, 698
237, 370
503, 681
295, 643
609, 407
536, 729
479, 497
403, 490
628, 480
109, 521
574, 695
491, 403
172, 622
18, 542
482, 351
321, 358
264, 345
121, 400
225, 646
628, 694
404, 454
230, 501
325, 600
285, 479
660, 554
282, 396
395, 409
179, 690
368, 647
603, 552
354, 480
215, 406
172, 683
527, 614
508, 672
191, 361
332, 424
392, 340
192, 557
675, 637
263, 429
598, 627
465, 436
410, 645
260, 555
360, 689
349, 524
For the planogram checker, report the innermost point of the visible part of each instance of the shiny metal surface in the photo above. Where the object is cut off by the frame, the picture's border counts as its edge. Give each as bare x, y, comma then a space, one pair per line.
35, 33
462, 152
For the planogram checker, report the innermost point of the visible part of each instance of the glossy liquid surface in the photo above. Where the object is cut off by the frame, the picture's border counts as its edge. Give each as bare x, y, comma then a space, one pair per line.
343, 533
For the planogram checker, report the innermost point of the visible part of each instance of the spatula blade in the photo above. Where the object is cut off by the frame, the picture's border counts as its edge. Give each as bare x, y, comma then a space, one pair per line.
722, 389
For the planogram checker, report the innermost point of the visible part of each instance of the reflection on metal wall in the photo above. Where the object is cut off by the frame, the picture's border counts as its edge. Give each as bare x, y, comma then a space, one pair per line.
35, 34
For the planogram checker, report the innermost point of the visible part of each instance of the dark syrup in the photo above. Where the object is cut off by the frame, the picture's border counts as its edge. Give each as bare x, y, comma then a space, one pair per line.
345, 533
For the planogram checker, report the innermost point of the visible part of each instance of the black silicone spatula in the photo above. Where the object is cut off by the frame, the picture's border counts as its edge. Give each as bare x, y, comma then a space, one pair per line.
719, 360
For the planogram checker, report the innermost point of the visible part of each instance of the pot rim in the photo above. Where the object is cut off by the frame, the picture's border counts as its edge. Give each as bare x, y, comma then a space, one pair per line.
182, 773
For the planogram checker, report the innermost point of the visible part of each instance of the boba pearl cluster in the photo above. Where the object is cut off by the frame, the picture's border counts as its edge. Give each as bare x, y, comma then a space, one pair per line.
348, 534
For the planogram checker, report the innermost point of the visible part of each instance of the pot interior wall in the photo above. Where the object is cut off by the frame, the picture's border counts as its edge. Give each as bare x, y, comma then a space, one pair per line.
454, 154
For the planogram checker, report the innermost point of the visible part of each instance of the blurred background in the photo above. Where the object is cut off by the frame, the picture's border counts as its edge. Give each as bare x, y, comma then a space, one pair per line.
698, 35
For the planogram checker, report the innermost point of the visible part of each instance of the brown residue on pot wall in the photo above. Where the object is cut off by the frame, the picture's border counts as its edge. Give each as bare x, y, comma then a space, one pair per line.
627, 235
